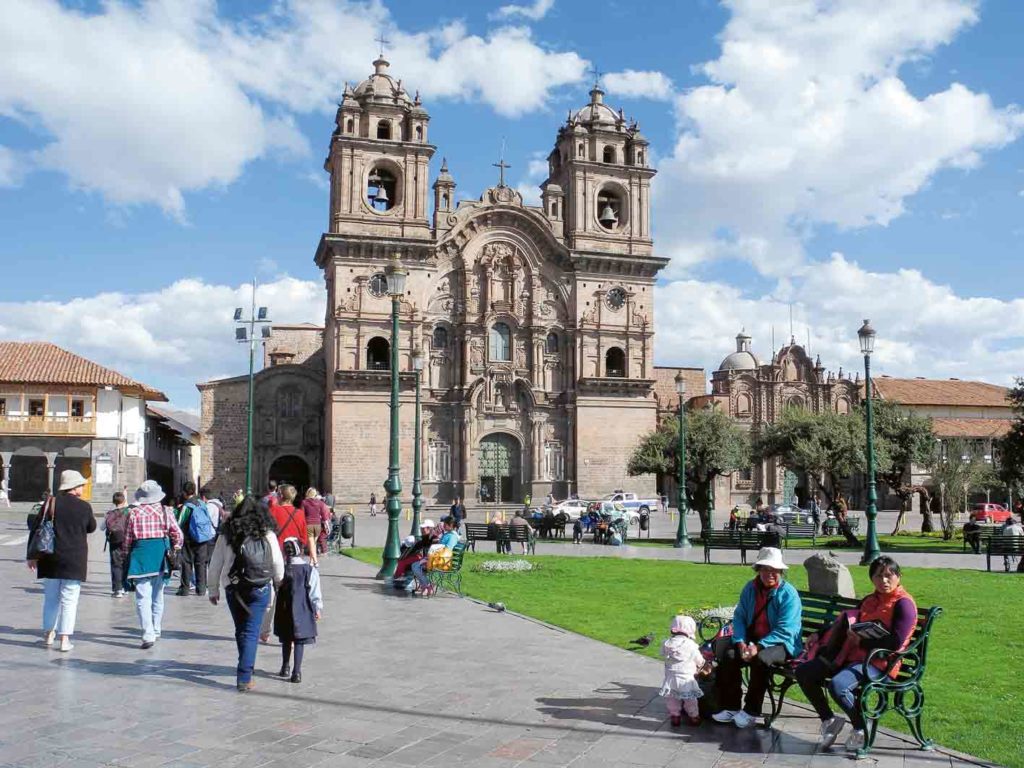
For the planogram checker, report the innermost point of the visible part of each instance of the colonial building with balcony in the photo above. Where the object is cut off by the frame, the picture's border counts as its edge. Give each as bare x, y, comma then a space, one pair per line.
60, 411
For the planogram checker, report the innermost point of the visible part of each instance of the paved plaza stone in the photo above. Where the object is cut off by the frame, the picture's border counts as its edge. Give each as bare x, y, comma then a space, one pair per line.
393, 681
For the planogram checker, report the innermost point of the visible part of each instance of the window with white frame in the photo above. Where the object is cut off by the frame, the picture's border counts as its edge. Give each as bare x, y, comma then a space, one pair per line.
554, 461
439, 461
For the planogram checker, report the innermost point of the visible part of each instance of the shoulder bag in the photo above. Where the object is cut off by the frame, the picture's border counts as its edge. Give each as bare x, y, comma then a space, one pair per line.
43, 538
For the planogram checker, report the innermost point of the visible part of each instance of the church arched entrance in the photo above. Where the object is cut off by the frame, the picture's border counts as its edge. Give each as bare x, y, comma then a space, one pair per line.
292, 470
500, 468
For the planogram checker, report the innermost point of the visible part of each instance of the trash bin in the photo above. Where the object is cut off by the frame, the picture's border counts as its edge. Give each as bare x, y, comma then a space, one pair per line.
645, 520
348, 526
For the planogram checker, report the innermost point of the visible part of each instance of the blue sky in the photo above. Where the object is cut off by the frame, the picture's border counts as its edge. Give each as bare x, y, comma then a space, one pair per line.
154, 156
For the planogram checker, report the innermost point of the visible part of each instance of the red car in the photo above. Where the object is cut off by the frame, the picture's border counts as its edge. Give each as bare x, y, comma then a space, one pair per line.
989, 513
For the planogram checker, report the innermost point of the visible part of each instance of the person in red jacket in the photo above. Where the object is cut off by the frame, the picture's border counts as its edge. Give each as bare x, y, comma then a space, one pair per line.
290, 523
317, 515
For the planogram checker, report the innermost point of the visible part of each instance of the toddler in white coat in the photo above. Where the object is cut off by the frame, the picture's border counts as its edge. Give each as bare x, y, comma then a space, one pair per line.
683, 660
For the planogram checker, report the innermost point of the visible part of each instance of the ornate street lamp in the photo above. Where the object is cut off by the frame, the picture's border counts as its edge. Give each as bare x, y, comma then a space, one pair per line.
245, 333
682, 537
417, 492
866, 334
396, 275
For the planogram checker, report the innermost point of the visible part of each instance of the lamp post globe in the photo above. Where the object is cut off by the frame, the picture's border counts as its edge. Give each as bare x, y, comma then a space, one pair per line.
417, 491
866, 336
682, 536
396, 276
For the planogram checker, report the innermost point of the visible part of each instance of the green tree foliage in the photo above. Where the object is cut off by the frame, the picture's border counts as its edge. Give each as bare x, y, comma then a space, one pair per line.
906, 439
957, 469
1010, 449
715, 445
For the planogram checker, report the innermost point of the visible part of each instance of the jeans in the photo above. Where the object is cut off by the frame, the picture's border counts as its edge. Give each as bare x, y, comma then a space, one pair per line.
247, 606
730, 681
60, 605
194, 559
117, 569
419, 570
149, 605
843, 687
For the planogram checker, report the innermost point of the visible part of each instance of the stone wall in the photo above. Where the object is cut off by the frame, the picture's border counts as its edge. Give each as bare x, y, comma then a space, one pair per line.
223, 423
607, 431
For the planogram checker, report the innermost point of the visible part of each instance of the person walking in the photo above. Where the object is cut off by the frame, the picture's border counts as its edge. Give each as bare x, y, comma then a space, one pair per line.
115, 524
300, 604
150, 533
373, 505
246, 563
457, 512
66, 568
197, 526
317, 516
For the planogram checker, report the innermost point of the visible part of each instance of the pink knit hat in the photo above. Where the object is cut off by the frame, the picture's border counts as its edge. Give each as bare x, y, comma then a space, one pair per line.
683, 625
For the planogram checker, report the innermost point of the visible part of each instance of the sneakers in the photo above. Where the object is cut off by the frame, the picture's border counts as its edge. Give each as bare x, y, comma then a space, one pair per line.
855, 742
246, 687
725, 716
830, 730
147, 644
48, 638
65, 644
743, 720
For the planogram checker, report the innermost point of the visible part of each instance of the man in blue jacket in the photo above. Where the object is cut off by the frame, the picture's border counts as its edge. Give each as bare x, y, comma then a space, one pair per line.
765, 633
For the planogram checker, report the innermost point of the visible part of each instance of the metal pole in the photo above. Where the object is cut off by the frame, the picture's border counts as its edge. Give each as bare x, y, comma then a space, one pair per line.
393, 485
252, 356
871, 548
417, 491
682, 537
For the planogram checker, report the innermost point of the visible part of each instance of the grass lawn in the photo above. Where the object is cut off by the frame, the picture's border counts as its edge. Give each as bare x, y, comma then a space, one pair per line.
975, 677
903, 543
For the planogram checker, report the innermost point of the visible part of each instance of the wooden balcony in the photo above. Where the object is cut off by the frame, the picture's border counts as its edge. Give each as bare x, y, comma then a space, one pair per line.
52, 425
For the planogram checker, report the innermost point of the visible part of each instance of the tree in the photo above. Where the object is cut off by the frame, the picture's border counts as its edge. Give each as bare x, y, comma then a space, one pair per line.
715, 445
956, 469
827, 446
1010, 449
909, 440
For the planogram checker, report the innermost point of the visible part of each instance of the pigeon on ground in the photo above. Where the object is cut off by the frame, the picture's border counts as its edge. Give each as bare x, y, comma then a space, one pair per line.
645, 640
499, 607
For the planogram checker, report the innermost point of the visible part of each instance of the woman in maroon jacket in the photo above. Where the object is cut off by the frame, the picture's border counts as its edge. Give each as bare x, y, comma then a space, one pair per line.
317, 515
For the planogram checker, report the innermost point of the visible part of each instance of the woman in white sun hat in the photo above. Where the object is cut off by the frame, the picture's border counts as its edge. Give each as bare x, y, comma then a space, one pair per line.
64, 570
765, 633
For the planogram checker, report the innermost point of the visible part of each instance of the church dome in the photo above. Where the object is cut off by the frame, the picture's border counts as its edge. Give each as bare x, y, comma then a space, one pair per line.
597, 113
382, 88
739, 361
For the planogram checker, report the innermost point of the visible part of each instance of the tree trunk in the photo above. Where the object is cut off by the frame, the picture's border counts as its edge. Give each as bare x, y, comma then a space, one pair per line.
901, 517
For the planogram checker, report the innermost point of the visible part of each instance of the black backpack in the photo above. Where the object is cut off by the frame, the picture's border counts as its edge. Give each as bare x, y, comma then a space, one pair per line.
254, 563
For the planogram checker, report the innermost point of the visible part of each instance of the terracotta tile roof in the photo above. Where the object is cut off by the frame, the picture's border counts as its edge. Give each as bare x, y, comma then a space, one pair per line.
665, 384
971, 428
941, 392
39, 362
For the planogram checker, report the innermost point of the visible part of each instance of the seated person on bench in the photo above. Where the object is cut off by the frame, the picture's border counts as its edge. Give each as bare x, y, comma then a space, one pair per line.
886, 619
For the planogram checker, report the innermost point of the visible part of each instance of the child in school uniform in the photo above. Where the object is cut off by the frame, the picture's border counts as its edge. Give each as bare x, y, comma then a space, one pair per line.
683, 660
299, 606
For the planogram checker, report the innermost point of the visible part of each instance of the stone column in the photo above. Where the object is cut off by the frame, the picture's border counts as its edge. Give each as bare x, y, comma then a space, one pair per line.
51, 465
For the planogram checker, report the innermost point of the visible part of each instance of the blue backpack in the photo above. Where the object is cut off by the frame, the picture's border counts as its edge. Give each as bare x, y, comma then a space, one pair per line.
200, 527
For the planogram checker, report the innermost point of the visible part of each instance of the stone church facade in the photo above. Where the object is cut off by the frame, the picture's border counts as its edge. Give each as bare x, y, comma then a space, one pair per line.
536, 323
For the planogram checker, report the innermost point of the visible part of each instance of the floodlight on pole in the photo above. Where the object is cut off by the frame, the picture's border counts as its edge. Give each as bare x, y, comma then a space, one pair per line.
246, 332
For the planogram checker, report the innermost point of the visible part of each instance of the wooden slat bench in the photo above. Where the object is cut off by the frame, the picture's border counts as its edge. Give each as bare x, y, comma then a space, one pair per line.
1004, 546
904, 694
983, 534
741, 540
505, 533
801, 531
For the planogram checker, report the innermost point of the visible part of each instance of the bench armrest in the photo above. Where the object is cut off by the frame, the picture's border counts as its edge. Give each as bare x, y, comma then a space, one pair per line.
911, 653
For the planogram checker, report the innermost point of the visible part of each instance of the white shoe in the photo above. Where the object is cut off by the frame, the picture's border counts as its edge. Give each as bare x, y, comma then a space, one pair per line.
48, 638
743, 720
725, 716
830, 730
65, 644
855, 742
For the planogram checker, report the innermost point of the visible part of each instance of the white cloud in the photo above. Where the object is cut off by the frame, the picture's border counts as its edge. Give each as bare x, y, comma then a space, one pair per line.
536, 172
170, 338
11, 167
145, 103
632, 84
806, 121
535, 11
925, 329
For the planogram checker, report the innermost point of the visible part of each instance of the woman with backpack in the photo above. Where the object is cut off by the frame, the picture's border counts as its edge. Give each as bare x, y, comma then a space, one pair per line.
247, 562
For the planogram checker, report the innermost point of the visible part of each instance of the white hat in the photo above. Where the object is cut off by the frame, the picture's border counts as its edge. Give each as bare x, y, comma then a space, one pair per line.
770, 557
409, 541
70, 479
427, 524
150, 492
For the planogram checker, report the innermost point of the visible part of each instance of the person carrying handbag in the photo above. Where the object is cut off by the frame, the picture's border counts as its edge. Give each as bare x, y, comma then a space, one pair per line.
151, 534
58, 551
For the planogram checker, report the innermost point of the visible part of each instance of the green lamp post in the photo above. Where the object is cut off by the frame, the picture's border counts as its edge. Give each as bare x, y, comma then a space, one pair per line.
682, 537
866, 334
417, 491
396, 275
245, 333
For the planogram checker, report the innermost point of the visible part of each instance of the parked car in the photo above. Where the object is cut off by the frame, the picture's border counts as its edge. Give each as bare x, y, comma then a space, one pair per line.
989, 513
788, 513
571, 507
633, 502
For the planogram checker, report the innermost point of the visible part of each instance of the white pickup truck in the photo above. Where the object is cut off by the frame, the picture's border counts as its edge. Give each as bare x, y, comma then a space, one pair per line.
633, 502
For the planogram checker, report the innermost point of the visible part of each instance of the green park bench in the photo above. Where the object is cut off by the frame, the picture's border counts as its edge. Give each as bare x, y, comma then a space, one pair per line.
983, 534
741, 540
452, 577
832, 527
903, 694
512, 533
801, 531
1005, 546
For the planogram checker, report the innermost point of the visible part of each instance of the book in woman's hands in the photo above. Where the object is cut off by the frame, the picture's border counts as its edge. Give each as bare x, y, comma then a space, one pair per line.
870, 630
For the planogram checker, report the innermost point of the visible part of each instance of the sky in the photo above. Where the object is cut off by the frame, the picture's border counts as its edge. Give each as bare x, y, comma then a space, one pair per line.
830, 161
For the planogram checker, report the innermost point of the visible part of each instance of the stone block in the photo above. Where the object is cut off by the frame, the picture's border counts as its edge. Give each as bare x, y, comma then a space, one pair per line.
826, 575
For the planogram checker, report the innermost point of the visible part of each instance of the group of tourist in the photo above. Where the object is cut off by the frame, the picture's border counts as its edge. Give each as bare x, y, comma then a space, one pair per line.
254, 550
432, 550
765, 633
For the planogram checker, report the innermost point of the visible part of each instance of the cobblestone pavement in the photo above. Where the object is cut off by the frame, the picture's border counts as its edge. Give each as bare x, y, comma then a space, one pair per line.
394, 681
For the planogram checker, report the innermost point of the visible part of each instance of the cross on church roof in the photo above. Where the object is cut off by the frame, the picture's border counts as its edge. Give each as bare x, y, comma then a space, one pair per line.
383, 41
597, 75
501, 165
